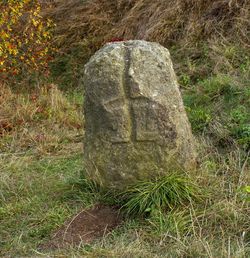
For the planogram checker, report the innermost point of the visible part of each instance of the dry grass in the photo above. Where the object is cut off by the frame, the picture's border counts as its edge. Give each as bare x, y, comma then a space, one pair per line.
185, 22
39, 120
204, 37
38, 156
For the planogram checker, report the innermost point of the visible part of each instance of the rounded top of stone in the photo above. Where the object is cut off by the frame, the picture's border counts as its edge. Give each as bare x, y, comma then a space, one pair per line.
153, 47
134, 43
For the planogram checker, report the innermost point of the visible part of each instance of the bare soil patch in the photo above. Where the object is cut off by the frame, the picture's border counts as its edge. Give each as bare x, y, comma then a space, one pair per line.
85, 227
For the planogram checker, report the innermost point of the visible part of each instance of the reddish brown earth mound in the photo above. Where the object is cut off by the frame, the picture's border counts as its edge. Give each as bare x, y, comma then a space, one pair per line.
85, 227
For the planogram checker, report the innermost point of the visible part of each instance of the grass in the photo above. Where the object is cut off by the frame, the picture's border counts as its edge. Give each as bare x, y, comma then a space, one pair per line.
35, 199
41, 120
41, 180
206, 36
41, 187
171, 22
219, 107
36, 130
166, 193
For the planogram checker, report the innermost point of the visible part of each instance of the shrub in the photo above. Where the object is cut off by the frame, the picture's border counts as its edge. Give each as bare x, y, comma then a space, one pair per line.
24, 38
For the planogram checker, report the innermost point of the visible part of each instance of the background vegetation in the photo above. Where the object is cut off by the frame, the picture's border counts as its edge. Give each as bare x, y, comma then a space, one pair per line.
41, 126
24, 39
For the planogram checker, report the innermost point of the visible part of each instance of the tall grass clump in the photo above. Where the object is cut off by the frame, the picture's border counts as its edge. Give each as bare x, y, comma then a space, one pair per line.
145, 198
166, 193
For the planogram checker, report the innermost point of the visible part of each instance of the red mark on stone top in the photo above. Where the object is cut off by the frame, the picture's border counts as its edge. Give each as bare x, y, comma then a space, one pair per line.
116, 40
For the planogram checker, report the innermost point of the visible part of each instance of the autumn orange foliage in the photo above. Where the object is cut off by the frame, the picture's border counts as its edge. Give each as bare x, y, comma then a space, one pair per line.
25, 38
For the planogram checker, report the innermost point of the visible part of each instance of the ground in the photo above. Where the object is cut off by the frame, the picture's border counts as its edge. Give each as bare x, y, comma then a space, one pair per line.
42, 189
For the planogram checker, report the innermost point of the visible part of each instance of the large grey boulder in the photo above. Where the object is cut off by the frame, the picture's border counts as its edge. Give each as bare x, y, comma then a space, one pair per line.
136, 125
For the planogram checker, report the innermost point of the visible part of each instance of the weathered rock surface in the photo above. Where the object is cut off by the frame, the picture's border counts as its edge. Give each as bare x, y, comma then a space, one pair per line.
136, 125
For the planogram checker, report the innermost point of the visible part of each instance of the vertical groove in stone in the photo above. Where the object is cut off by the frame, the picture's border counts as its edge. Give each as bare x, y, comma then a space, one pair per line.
126, 87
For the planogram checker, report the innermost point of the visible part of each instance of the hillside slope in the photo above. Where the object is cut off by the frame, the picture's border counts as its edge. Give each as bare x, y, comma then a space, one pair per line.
167, 22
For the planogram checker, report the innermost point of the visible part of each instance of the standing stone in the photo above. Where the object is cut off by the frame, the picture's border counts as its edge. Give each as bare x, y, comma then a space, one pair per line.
136, 125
